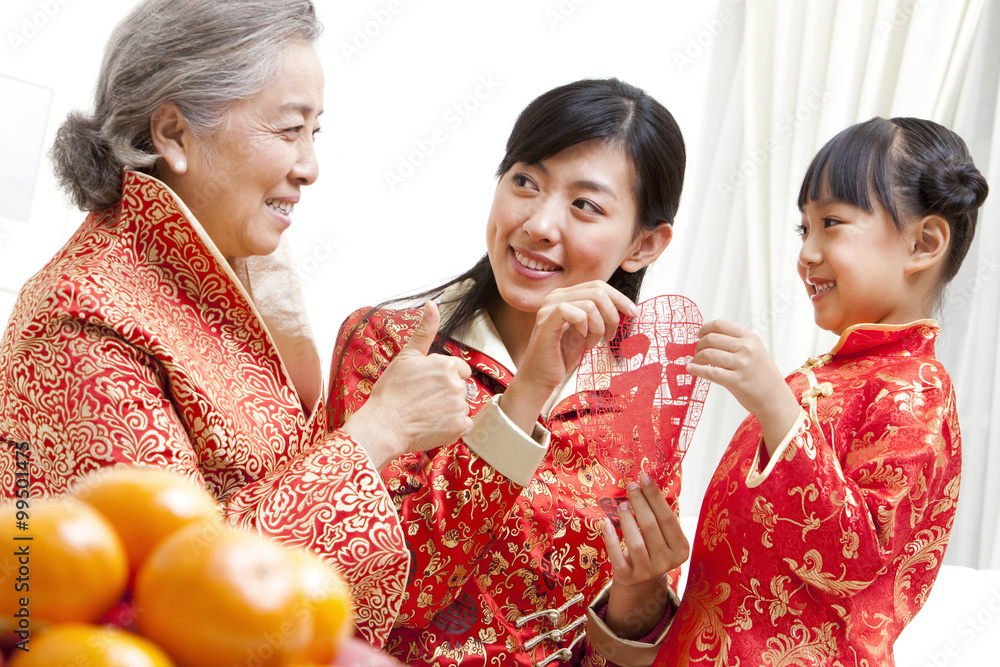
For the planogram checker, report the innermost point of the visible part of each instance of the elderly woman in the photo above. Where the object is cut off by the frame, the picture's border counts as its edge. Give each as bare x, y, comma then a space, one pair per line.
165, 332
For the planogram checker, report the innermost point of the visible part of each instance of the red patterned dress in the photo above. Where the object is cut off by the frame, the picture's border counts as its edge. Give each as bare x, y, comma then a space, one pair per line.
504, 531
822, 554
140, 343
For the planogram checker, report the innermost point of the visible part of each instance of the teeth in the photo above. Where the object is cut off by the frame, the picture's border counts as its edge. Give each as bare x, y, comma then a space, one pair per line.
532, 264
823, 287
283, 206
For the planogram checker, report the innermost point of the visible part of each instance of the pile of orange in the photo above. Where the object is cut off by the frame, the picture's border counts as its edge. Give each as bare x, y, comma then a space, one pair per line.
136, 569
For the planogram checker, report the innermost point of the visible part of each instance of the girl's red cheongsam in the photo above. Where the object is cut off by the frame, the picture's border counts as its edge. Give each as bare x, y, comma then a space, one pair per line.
822, 554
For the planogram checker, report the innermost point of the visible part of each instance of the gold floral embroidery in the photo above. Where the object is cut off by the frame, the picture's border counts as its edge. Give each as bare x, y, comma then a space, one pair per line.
801, 647
811, 572
763, 513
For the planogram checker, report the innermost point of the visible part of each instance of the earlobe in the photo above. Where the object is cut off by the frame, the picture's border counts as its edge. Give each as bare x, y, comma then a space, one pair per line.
929, 245
171, 136
648, 247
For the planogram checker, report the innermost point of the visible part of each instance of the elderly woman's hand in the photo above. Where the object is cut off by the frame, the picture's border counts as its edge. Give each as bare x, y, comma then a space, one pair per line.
420, 402
656, 545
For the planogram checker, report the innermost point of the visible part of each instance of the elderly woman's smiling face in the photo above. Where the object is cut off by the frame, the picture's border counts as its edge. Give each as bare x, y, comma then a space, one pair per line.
242, 183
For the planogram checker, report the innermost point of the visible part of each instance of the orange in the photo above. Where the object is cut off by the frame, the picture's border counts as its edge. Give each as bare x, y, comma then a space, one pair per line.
74, 644
213, 596
145, 505
70, 567
329, 599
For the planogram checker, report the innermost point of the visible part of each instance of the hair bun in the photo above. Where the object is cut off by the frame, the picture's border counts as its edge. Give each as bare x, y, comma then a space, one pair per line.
84, 163
953, 187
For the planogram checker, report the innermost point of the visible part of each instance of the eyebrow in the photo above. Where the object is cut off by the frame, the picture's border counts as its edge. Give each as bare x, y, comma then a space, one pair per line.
596, 187
824, 202
584, 184
304, 109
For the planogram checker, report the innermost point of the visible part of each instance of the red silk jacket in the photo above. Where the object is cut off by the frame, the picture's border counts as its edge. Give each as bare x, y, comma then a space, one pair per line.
501, 573
137, 343
821, 555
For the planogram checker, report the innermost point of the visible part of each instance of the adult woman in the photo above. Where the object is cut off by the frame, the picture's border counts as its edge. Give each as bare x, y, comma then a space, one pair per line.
165, 332
504, 526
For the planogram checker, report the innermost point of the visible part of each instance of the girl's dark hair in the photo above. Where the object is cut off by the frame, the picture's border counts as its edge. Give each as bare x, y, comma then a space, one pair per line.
605, 109
911, 168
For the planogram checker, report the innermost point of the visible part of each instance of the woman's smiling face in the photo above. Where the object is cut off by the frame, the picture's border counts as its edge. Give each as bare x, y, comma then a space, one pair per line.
569, 219
242, 184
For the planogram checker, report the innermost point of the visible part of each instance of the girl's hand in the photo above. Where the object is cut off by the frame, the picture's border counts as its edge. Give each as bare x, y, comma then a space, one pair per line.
734, 357
570, 321
418, 403
655, 545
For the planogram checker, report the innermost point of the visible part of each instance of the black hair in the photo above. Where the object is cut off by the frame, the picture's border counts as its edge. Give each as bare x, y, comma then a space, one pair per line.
911, 168
605, 109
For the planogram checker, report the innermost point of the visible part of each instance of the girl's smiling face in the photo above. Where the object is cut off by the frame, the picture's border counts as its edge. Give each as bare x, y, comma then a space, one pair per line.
567, 220
855, 266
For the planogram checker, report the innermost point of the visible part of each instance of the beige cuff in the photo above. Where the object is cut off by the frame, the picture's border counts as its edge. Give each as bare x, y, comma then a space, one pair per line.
502, 444
622, 652
755, 478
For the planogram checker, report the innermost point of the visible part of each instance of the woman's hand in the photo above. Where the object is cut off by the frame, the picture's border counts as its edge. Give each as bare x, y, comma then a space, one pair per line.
734, 357
570, 321
655, 545
420, 402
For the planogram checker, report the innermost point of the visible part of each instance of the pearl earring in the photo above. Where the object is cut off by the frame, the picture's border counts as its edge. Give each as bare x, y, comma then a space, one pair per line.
180, 166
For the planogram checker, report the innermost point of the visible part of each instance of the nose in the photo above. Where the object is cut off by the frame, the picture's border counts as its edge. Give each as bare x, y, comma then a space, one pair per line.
809, 253
306, 167
542, 224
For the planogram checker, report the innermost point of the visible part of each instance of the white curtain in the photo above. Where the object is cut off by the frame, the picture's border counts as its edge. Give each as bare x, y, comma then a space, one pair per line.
788, 77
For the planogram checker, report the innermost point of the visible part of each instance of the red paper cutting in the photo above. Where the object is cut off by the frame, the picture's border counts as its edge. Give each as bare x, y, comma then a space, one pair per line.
644, 405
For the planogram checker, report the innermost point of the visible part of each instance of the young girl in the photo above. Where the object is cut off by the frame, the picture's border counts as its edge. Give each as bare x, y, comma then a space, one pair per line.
509, 529
824, 526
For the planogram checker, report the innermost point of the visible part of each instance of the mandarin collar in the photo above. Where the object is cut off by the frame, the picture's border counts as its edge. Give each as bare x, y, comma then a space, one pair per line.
861, 338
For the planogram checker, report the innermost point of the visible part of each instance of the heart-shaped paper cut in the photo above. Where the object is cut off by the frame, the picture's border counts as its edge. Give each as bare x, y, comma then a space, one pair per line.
643, 404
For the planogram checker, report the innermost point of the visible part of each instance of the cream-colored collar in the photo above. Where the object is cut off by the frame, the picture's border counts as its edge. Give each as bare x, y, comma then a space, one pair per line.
481, 334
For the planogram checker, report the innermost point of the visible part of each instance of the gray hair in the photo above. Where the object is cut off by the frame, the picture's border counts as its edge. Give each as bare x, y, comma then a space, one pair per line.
203, 55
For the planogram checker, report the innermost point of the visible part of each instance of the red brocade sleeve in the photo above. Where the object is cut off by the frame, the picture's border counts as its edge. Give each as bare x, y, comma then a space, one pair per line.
450, 500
